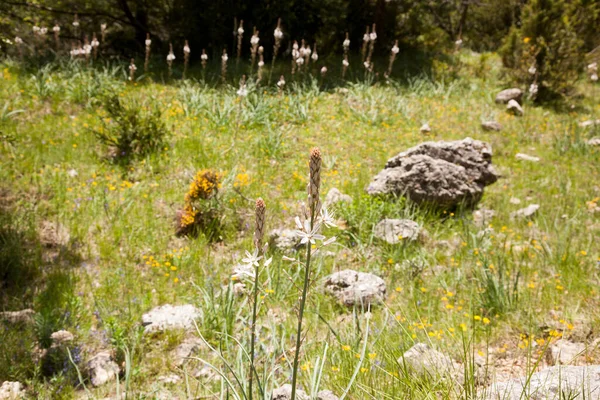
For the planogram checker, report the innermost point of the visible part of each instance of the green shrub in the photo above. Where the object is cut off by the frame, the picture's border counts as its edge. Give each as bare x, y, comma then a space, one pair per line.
131, 129
545, 50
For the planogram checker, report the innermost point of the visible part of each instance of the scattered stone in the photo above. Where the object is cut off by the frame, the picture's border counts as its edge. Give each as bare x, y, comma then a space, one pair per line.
424, 361
61, 337
564, 352
53, 234
14, 317
526, 212
595, 141
526, 157
11, 391
589, 123
397, 230
514, 107
170, 317
443, 174
514, 200
355, 288
284, 239
102, 368
483, 217
550, 384
509, 94
285, 393
334, 196
169, 379
425, 128
72, 173
491, 126
188, 347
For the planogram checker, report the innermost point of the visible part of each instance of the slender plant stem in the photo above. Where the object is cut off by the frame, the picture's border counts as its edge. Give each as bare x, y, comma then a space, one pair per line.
253, 335
301, 312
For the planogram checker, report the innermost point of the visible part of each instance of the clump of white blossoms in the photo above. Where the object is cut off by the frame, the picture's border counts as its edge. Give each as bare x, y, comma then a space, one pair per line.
170, 56
345, 63
18, 40
533, 89
278, 34
76, 22
242, 91
204, 56
373, 36
148, 41
56, 29
95, 42
254, 39
186, 49
532, 70
395, 49
323, 71
224, 57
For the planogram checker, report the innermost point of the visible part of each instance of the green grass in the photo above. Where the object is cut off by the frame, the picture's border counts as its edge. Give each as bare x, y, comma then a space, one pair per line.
485, 293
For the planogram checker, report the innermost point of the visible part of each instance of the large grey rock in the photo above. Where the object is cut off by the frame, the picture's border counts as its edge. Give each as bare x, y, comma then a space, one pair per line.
334, 196
11, 391
102, 368
424, 361
526, 212
509, 94
555, 383
285, 393
14, 317
61, 338
515, 108
397, 230
170, 317
443, 174
491, 126
564, 352
355, 288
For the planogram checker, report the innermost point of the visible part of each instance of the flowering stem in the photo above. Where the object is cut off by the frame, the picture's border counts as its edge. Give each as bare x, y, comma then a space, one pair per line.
253, 335
301, 312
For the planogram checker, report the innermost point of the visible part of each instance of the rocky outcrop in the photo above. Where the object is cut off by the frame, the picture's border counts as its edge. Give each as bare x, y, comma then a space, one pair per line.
443, 174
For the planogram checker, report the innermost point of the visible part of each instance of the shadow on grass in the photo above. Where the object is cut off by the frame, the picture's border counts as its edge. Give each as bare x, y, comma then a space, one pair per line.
34, 274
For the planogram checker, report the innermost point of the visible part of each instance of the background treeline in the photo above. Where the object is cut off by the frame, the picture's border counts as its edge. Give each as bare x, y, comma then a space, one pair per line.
558, 32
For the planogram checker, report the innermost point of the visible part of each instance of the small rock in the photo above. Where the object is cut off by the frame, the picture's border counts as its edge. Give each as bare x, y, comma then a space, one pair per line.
425, 128
284, 239
11, 390
564, 352
509, 94
72, 173
491, 126
61, 337
185, 350
483, 217
514, 107
102, 368
591, 122
206, 373
169, 379
526, 212
550, 384
514, 200
170, 317
424, 361
356, 288
526, 157
13, 317
53, 234
595, 141
397, 230
285, 393
335, 196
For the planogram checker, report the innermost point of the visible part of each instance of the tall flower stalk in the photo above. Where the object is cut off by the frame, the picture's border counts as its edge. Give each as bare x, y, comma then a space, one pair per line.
170, 59
254, 48
148, 44
278, 36
240, 36
372, 38
56, 30
186, 57
259, 233
393, 54
365, 45
95, 44
309, 231
132, 69
261, 62
224, 59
